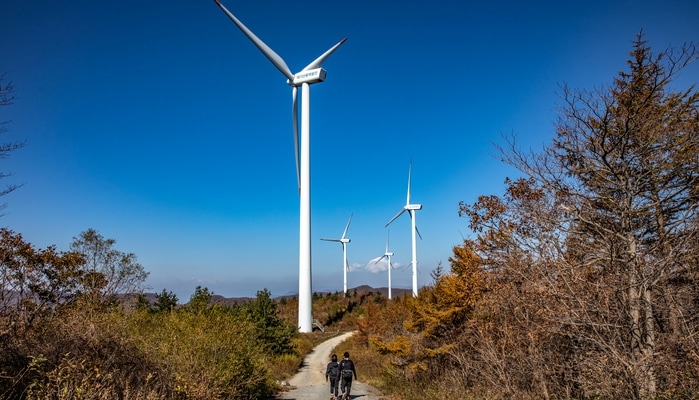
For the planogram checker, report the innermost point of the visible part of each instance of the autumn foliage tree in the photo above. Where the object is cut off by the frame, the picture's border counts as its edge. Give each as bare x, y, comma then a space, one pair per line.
35, 284
625, 163
602, 230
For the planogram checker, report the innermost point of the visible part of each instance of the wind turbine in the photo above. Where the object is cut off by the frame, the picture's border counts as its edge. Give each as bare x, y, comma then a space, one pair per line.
411, 208
387, 255
310, 74
344, 240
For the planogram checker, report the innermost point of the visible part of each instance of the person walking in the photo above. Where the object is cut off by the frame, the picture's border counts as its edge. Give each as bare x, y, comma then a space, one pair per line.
332, 373
347, 370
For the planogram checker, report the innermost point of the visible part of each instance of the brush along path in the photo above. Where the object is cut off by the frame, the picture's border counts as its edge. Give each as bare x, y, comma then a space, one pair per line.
309, 383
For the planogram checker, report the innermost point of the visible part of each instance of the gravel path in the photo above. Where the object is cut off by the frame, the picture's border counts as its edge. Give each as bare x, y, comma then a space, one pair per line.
309, 383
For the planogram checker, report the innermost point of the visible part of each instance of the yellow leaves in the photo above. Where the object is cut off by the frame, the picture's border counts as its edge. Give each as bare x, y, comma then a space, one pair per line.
459, 291
408, 352
418, 366
398, 346
468, 281
464, 261
440, 351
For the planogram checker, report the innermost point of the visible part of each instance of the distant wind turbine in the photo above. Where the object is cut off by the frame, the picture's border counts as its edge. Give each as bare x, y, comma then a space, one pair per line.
387, 255
310, 74
344, 240
411, 208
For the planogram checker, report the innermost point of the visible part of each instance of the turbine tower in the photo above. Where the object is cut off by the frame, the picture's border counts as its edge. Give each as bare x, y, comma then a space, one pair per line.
312, 73
344, 240
387, 255
411, 208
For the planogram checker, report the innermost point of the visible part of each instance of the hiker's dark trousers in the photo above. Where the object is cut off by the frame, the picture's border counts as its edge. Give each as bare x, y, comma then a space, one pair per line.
333, 385
346, 385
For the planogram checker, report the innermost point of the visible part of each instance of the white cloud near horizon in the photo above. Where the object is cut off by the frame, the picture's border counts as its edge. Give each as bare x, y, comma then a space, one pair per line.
381, 266
355, 267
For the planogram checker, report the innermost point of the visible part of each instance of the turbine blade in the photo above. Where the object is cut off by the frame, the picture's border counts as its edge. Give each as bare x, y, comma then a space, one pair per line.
320, 60
295, 121
410, 171
416, 230
347, 226
330, 240
266, 50
388, 235
394, 218
381, 258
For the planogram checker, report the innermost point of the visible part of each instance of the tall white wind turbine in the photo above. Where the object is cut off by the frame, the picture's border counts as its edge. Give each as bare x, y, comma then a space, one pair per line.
387, 255
345, 265
310, 74
411, 208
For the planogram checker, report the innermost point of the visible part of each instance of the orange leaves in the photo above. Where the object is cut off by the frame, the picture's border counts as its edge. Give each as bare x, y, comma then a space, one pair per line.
523, 190
482, 213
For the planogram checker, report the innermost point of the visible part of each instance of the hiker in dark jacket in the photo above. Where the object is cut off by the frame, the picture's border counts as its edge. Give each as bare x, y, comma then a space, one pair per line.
332, 373
346, 372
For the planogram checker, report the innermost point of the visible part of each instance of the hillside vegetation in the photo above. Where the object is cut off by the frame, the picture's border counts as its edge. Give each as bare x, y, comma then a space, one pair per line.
66, 334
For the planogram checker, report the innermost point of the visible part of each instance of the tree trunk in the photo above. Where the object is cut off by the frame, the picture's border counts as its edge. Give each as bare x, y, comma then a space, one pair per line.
642, 328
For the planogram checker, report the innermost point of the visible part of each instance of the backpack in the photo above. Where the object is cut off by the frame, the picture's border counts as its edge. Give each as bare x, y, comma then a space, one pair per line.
347, 367
334, 370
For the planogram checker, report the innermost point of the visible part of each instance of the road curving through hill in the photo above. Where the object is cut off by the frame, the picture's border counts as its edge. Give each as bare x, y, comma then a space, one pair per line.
309, 382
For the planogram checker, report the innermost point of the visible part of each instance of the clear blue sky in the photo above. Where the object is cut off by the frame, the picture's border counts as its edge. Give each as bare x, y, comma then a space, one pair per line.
161, 126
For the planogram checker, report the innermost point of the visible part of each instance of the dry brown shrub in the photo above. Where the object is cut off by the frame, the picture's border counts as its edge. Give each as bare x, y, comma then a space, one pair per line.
86, 355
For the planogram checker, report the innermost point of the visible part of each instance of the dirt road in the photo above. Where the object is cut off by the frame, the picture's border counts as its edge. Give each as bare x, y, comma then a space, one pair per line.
309, 383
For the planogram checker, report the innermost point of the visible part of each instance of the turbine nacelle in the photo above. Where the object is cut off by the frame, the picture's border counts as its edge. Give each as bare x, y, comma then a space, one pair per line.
311, 76
413, 207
